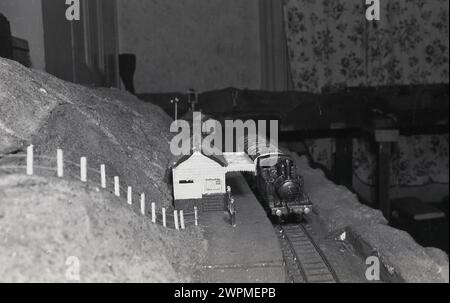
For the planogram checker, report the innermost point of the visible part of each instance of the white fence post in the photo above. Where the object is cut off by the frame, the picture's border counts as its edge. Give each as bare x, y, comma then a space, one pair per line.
195, 216
129, 195
175, 219
143, 204
103, 175
116, 186
30, 155
59, 163
164, 217
83, 169
182, 220
153, 212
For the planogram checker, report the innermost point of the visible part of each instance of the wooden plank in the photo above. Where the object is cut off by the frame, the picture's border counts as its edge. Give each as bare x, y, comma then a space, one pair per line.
343, 166
416, 209
387, 135
5, 38
383, 178
338, 125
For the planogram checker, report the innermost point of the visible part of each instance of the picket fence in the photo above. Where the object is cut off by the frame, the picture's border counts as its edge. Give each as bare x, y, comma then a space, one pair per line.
177, 220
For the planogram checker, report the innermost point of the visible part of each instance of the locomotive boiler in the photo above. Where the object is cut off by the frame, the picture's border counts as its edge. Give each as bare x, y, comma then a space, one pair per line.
276, 182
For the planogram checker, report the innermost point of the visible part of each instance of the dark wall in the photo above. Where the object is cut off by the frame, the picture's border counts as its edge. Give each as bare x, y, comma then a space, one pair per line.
83, 51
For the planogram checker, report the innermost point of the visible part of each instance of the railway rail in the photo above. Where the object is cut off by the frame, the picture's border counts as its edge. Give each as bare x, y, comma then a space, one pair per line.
304, 260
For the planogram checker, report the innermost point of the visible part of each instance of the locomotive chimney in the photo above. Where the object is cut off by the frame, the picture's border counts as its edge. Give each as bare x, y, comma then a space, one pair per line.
288, 168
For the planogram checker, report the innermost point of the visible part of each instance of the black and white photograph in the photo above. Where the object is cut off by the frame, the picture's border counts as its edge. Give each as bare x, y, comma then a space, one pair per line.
228, 149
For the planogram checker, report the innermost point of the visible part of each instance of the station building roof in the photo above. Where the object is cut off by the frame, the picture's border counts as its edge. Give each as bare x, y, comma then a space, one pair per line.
219, 158
239, 162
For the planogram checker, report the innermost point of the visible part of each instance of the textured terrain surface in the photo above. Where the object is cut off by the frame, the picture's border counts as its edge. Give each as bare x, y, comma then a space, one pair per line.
65, 218
44, 222
344, 216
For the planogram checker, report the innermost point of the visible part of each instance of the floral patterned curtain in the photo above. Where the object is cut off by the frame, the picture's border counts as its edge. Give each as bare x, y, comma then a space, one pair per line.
331, 43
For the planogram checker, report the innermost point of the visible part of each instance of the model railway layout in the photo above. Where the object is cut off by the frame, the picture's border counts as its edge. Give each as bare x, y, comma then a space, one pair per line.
281, 192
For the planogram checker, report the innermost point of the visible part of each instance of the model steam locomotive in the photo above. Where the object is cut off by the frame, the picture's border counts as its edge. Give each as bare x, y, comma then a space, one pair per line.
276, 183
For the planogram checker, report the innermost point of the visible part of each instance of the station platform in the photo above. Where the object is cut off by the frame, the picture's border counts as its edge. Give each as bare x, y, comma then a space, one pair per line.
247, 253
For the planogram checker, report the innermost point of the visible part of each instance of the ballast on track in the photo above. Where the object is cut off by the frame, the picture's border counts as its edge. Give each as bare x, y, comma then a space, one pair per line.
305, 260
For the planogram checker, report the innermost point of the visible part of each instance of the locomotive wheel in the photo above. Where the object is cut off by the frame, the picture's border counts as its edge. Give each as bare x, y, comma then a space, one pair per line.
295, 218
275, 219
299, 218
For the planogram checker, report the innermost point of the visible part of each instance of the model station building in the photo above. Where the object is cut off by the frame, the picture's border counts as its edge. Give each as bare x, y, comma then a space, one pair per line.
200, 179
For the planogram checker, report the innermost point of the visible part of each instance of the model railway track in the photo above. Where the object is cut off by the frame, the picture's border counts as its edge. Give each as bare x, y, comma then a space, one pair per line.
304, 259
